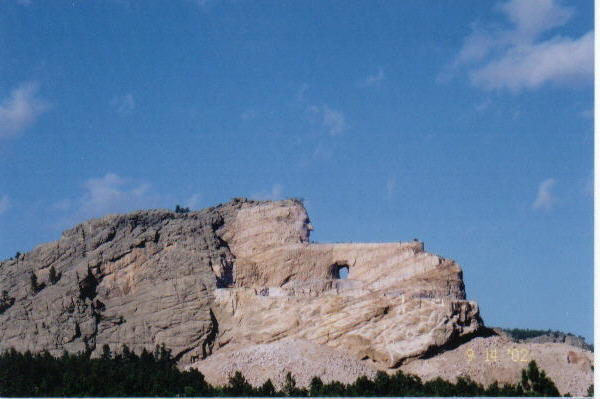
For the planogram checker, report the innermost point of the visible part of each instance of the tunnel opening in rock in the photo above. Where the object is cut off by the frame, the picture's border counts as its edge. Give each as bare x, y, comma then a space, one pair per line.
340, 271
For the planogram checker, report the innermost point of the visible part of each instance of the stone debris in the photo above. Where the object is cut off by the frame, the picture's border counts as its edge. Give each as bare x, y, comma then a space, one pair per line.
303, 359
497, 358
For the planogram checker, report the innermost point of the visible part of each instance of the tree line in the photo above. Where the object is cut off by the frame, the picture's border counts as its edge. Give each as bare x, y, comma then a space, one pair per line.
525, 333
155, 374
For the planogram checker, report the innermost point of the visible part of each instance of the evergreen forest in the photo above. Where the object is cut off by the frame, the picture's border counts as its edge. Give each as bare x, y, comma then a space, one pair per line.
155, 374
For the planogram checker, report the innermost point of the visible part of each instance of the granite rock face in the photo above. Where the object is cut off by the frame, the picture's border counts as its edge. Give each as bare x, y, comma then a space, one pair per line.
233, 276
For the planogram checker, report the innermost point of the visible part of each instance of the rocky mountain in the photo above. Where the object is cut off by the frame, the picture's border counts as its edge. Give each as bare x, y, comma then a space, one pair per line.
231, 284
548, 336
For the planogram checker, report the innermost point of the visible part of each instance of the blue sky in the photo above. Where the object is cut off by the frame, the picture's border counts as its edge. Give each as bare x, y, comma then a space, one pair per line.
467, 125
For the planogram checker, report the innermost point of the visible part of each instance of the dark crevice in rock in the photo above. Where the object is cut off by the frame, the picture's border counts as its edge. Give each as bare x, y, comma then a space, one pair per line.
111, 234
118, 257
87, 286
179, 355
83, 241
6, 301
208, 344
99, 305
35, 286
227, 279
77, 331
287, 279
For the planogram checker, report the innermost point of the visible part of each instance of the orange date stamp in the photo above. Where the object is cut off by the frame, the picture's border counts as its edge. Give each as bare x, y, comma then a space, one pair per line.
493, 355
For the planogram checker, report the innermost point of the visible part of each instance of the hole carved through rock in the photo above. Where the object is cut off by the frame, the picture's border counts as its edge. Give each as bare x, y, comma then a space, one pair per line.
340, 271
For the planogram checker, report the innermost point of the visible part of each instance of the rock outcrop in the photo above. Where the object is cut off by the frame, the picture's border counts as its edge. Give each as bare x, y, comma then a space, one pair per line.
548, 337
231, 276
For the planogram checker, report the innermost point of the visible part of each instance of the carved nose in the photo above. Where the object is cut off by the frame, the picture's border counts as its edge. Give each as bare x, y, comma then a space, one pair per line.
309, 227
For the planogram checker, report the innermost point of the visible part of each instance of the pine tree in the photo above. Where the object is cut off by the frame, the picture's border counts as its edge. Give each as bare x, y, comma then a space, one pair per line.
289, 387
535, 382
316, 387
106, 355
34, 283
267, 389
180, 209
238, 386
53, 277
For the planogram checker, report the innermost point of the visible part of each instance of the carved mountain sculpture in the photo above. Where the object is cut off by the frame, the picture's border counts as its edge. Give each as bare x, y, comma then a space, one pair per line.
237, 274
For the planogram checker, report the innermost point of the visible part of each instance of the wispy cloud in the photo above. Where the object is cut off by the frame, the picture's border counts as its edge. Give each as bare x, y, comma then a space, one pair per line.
322, 151
332, 120
248, 114
390, 188
124, 104
193, 202
206, 5
20, 110
104, 195
545, 198
482, 106
374, 80
301, 93
4, 204
588, 185
587, 113
521, 56
274, 194
113, 193
110, 194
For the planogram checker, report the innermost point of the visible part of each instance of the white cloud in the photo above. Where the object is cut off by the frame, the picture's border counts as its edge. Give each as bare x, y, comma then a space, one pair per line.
482, 106
301, 93
112, 193
374, 80
20, 110
545, 199
62, 205
532, 17
333, 121
520, 57
248, 114
105, 195
193, 202
323, 151
390, 187
206, 5
124, 104
275, 193
4, 204
559, 60
587, 113
588, 185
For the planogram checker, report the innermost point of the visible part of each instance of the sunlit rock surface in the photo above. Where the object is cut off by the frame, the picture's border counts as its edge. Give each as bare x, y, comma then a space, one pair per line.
239, 274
